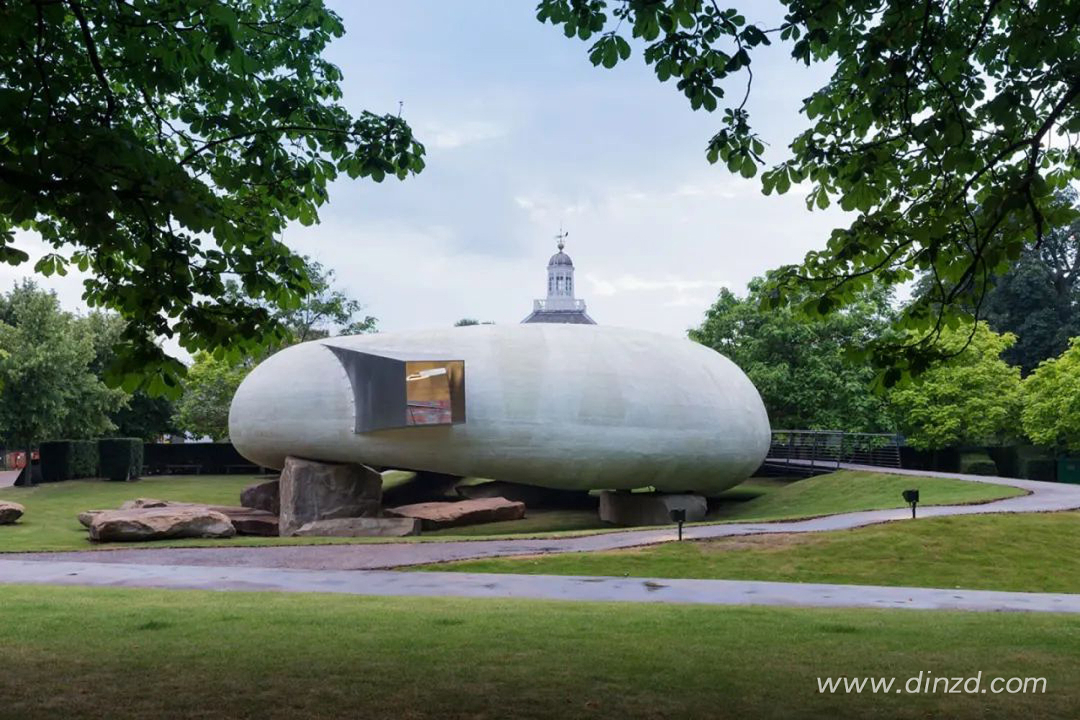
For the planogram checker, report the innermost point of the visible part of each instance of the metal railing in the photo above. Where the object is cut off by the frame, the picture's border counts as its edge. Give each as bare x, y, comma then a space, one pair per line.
811, 451
557, 303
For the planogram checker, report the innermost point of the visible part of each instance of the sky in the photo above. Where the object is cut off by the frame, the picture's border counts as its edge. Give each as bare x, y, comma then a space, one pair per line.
524, 135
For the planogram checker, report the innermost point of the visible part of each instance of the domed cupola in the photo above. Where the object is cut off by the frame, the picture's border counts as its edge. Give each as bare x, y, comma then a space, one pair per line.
560, 306
560, 258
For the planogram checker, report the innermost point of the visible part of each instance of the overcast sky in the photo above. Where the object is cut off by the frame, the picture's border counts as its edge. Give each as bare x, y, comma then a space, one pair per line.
522, 134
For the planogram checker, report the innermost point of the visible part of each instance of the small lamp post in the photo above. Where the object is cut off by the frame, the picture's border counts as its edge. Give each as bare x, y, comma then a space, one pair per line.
679, 516
911, 497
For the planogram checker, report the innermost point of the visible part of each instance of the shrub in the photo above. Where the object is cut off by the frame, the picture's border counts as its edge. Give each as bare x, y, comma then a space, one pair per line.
84, 458
120, 458
977, 464
68, 459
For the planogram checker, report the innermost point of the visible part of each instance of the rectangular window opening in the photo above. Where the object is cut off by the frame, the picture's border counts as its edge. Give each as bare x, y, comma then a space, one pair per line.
431, 388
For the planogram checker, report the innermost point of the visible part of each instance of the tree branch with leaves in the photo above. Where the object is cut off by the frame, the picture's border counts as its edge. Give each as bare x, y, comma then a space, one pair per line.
163, 147
946, 127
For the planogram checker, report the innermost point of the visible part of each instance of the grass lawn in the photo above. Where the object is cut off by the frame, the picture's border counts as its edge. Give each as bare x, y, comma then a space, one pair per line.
121, 653
51, 509
849, 491
775, 499
990, 552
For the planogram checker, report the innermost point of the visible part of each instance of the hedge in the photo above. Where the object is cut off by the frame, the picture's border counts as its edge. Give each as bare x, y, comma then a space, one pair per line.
120, 458
977, 463
68, 459
1007, 459
943, 460
84, 458
1036, 463
1041, 469
208, 458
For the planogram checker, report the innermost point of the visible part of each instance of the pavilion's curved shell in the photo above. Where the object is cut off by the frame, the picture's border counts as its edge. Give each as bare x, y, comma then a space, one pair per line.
562, 406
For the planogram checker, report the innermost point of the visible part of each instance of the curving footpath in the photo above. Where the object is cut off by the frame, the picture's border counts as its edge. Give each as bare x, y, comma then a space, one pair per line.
1042, 497
319, 568
532, 587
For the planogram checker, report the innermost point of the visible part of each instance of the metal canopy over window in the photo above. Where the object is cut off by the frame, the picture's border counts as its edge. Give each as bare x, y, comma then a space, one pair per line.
400, 390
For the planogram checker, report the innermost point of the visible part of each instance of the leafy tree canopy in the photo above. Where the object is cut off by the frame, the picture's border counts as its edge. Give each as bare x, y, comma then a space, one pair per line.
972, 397
50, 389
140, 415
203, 408
946, 127
326, 310
212, 380
145, 416
803, 369
1038, 299
163, 145
1052, 401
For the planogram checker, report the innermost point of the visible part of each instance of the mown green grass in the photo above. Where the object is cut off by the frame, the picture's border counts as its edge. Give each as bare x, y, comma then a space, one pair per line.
852, 491
50, 522
1024, 552
769, 499
121, 653
51, 509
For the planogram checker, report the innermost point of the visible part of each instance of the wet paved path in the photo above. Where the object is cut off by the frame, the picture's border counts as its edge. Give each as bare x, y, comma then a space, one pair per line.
540, 587
1043, 497
331, 568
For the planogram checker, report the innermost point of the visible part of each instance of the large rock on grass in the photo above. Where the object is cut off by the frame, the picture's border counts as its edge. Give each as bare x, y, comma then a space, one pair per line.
86, 517
437, 515
625, 508
313, 490
360, 527
10, 512
249, 521
164, 523
263, 496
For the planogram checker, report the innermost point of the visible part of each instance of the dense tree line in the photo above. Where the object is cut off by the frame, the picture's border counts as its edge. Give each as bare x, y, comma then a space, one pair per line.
54, 363
1014, 375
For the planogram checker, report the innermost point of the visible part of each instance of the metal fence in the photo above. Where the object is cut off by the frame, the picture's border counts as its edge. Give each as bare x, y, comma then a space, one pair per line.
811, 451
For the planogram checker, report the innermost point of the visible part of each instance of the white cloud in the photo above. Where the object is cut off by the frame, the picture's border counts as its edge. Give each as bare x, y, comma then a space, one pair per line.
452, 136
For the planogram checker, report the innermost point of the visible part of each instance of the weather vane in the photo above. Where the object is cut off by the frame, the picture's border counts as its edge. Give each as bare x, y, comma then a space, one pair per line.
561, 237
